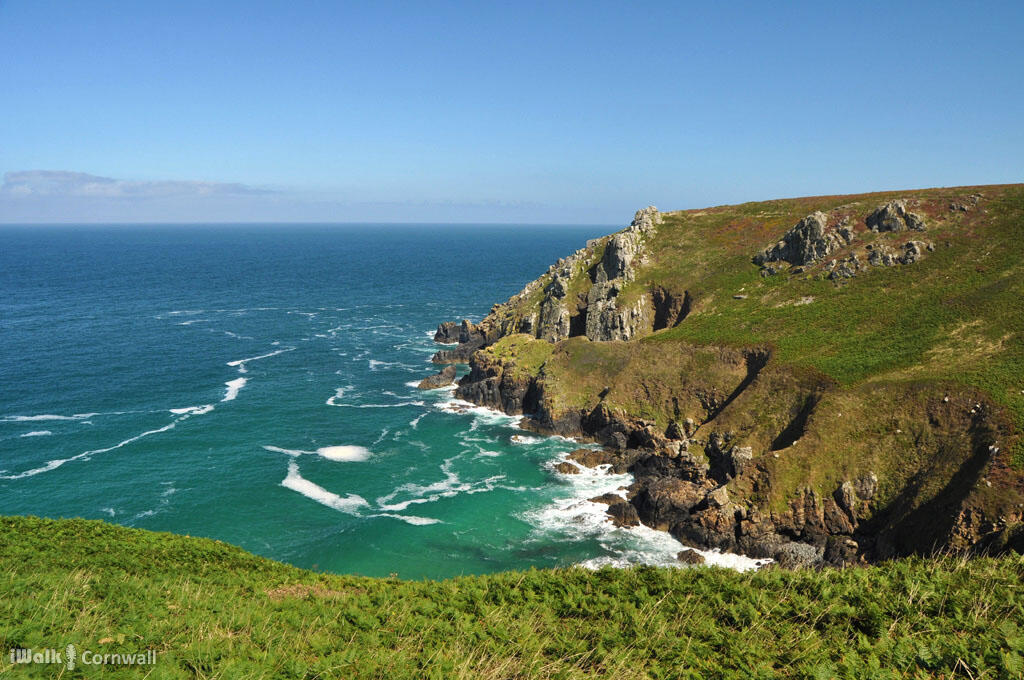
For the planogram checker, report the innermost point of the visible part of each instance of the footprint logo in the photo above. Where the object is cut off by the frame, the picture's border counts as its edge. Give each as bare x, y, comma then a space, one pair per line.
71, 655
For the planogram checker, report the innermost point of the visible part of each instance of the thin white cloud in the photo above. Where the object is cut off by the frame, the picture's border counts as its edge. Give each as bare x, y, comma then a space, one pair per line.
57, 183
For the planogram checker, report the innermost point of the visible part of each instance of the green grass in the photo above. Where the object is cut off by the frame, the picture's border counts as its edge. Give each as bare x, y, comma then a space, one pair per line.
214, 611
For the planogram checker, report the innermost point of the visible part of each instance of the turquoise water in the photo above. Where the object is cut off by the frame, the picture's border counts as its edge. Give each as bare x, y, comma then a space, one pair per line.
253, 384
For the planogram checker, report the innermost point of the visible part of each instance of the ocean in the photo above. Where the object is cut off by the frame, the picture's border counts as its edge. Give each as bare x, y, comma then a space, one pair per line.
256, 384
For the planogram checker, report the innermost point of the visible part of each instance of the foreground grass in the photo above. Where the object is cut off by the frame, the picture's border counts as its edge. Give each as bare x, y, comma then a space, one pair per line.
211, 610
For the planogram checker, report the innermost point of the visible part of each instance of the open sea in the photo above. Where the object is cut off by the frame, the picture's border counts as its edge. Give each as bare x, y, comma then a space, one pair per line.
256, 384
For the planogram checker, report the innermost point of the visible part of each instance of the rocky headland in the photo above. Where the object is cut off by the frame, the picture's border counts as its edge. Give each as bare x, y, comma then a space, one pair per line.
818, 381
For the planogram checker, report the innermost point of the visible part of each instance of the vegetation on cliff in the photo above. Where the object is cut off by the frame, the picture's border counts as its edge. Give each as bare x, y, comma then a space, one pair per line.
213, 610
839, 339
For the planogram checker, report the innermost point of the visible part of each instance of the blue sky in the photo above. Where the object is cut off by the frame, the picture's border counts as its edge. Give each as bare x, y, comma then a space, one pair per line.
512, 112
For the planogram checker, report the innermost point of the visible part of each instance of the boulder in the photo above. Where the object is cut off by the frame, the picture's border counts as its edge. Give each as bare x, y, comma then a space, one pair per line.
567, 468
739, 457
590, 458
793, 555
623, 514
718, 498
663, 501
866, 486
913, 251
442, 379
894, 216
606, 498
846, 268
690, 556
882, 256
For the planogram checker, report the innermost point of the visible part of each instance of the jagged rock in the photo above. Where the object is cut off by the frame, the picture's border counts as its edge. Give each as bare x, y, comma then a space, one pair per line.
606, 498
795, 555
690, 556
718, 498
836, 520
882, 256
810, 241
914, 251
689, 426
663, 501
739, 458
623, 514
675, 431
447, 333
894, 216
866, 486
567, 468
459, 355
590, 458
554, 320
468, 332
442, 379
846, 497
846, 268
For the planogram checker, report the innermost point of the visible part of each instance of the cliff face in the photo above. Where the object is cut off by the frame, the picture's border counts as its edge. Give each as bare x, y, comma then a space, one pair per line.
802, 379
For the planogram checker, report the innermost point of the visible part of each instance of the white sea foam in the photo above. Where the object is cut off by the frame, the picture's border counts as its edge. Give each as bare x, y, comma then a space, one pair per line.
192, 410
37, 433
338, 394
56, 463
448, 487
411, 519
46, 416
240, 363
523, 439
109, 511
191, 321
573, 517
86, 455
290, 452
414, 423
344, 453
401, 403
233, 388
481, 414
349, 504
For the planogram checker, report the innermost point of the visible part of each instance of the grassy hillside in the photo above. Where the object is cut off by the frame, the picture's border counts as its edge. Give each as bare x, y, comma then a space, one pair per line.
913, 372
211, 610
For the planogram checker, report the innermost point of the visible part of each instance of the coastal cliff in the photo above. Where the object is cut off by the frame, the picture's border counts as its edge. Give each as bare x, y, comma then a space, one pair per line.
825, 380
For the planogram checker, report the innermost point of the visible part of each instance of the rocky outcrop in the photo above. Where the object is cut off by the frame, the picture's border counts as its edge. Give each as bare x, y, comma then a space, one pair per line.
447, 333
810, 241
442, 379
470, 338
495, 384
894, 216
605, 318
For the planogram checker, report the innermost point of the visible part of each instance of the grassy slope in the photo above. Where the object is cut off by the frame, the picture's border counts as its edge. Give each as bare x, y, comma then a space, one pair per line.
213, 610
892, 341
